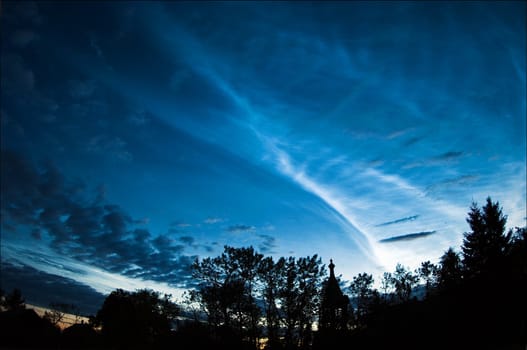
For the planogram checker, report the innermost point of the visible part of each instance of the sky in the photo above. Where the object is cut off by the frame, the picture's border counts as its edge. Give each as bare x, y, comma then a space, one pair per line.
139, 136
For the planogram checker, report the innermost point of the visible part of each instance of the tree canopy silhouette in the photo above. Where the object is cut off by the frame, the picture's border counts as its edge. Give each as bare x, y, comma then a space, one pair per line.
364, 294
450, 269
238, 287
486, 243
136, 319
226, 290
14, 300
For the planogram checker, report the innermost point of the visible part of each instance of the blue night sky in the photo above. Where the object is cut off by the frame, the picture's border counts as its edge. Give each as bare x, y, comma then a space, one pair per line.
136, 136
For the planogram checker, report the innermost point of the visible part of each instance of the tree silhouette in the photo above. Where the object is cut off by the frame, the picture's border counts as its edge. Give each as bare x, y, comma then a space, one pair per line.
363, 293
270, 275
487, 241
14, 300
289, 295
58, 311
300, 298
248, 262
518, 251
428, 273
403, 281
310, 274
54, 315
226, 290
230, 285
387, 286
450, 269
136, 319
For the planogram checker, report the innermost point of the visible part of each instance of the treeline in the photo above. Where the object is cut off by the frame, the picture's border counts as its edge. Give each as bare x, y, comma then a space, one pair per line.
474, 298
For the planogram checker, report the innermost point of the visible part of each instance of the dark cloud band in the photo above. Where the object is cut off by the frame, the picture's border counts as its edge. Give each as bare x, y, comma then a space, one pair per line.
80, 224
41, 288
407, 237
398, 221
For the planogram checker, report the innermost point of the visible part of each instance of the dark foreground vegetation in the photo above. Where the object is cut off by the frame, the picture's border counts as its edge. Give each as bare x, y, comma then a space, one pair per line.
472, 299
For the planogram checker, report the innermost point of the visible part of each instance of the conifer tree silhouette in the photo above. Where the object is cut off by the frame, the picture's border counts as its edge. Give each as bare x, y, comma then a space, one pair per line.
487, 241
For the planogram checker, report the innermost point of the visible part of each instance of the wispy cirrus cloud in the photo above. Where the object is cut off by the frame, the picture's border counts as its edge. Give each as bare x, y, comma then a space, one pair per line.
360, 236
407, 237
180, 224
252, 119
452, 182
447, 156
398, 221
399, 133
240, 228
441, 159
383, 190
411, 141
213, 220
370, 193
